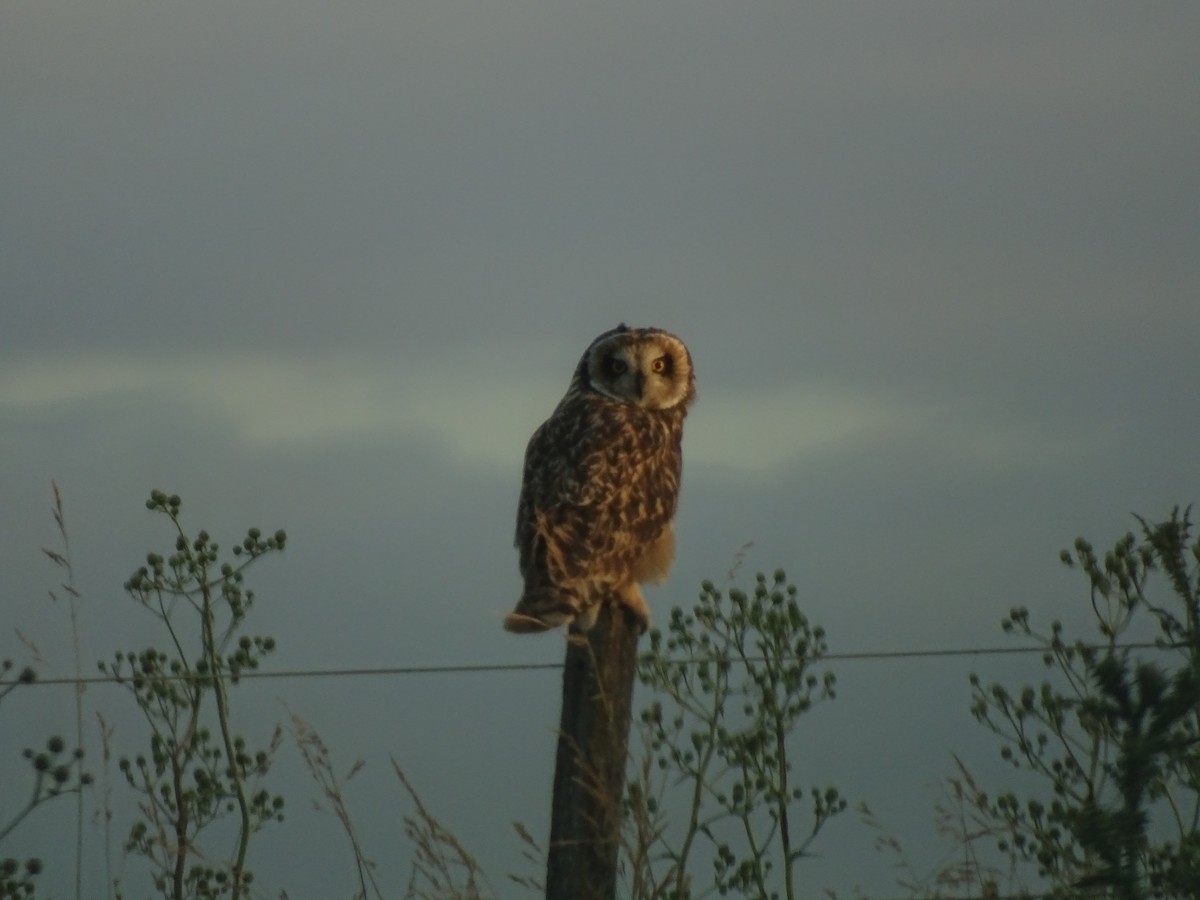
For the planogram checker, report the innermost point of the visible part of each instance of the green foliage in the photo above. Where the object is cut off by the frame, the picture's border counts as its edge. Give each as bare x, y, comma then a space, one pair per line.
731, 680
1115, 737
197, 771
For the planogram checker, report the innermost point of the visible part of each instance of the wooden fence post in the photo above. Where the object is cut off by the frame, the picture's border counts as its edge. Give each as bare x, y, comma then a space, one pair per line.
589, 772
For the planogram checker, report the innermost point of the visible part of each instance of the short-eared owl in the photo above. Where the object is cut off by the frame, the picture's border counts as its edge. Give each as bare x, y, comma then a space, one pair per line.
601, 482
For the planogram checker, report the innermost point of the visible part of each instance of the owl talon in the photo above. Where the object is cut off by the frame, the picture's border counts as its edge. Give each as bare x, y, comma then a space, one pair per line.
643, 623
633, 601
518, 623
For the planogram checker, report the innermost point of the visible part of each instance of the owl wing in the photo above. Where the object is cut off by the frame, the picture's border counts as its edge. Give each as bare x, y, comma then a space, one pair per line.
558, 505
584, 513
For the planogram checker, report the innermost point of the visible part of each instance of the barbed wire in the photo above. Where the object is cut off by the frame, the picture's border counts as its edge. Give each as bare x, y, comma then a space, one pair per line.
488, 668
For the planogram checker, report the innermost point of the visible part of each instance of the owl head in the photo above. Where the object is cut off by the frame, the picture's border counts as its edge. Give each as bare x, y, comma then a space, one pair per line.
645, 367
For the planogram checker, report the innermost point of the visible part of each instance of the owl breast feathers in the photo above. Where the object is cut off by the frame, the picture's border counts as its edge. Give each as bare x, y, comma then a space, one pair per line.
601, 482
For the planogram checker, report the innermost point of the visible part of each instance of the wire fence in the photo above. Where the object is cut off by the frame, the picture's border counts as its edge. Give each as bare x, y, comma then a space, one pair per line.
496, 668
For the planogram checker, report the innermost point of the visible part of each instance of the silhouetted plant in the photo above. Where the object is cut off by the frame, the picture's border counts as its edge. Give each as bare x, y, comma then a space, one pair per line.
55, 772
731, 679
198, 770
62, 559
441, 867
317, 758
1115, 737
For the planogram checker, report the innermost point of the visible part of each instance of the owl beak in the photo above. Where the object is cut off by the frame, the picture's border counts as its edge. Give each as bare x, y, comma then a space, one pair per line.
639, 383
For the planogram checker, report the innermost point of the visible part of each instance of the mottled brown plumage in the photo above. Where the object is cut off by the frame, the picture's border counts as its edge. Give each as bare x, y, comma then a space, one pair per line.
601, 482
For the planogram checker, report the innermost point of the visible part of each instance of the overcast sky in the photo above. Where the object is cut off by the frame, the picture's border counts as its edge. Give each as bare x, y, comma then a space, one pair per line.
326, 267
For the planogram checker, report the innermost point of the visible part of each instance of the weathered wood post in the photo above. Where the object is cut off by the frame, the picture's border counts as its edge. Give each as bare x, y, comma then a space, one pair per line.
589, 772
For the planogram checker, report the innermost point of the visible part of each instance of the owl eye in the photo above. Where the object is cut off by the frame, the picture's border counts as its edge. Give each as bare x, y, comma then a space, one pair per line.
661, 366
616, 366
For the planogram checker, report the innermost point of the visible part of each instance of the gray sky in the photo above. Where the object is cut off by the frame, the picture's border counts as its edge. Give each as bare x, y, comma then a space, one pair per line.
327, 268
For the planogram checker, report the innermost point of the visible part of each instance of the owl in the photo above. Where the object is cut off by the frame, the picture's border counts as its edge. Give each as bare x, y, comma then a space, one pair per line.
601, 483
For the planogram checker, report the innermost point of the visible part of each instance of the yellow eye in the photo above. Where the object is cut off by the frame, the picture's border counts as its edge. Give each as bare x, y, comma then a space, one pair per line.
660, 366
616, 366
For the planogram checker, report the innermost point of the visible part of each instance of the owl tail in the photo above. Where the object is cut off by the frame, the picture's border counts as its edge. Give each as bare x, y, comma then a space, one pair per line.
541, 609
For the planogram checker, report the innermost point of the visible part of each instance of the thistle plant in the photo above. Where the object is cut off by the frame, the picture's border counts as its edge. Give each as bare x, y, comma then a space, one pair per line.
198, 771
731, 679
